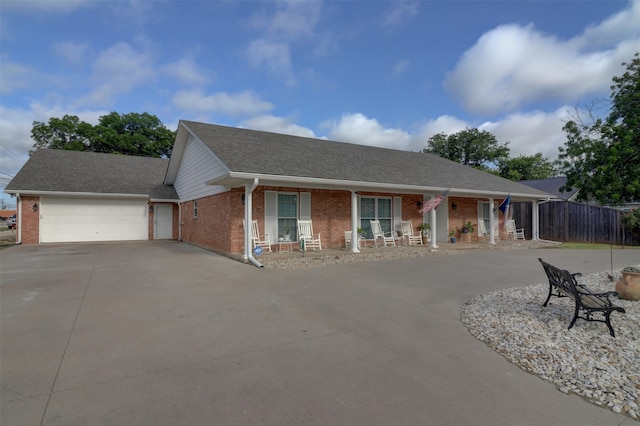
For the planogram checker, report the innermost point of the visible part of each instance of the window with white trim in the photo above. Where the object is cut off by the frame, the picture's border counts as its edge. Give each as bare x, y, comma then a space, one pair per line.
375, 208
287, 216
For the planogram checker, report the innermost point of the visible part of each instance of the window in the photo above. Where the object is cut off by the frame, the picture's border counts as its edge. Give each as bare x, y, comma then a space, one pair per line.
374, 208
484, 214
195, 208
287, 216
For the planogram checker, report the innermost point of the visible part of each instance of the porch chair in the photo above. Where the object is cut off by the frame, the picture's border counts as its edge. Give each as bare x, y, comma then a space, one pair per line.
305, 233
255, 237
407, 233
347, 240
512, 231
388, 238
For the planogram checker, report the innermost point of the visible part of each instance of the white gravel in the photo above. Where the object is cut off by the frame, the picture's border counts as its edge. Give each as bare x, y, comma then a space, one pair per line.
585, 360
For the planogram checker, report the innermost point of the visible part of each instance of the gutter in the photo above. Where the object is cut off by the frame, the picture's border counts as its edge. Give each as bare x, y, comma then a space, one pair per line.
248, 207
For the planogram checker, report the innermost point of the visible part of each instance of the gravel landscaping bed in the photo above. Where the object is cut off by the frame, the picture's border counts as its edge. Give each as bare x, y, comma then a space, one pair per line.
585, 360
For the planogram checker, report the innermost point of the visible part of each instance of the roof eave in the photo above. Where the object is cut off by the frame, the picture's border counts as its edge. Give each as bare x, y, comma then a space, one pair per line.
67, 194
236, 180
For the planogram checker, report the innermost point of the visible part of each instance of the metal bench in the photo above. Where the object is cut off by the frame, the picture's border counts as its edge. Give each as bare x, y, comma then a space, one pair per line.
587, 303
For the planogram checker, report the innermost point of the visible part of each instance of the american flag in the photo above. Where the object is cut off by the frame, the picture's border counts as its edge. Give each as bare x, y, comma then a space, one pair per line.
433, 203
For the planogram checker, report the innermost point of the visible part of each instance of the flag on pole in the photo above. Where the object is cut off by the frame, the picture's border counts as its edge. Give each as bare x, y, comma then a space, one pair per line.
505, 208
433, 203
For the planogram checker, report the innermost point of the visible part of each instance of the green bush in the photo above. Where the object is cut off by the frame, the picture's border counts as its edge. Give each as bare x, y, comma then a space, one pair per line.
631, 222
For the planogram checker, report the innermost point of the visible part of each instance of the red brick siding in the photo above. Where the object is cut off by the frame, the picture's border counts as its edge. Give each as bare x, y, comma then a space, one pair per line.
467, 210
219, 225
29, 220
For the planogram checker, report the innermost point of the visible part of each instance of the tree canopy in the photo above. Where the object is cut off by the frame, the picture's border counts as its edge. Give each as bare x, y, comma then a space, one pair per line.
602, 158
526, 167
470, 147
129, 134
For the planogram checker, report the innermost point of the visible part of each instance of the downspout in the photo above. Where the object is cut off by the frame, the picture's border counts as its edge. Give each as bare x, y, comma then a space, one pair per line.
248, 208
179, 221
355, 238
19, 219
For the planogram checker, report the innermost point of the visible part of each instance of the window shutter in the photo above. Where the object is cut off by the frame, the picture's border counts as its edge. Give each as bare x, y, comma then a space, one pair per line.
271, 214
305, 206
397, 213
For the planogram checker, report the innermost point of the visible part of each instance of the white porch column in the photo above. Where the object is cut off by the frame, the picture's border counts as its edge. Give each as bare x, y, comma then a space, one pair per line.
354, 222
434, 245
247, 221
535, 221
492, 222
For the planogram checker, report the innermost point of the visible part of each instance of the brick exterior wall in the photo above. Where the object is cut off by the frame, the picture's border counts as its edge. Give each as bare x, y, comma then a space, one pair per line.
467, 210
219, 225
29, 220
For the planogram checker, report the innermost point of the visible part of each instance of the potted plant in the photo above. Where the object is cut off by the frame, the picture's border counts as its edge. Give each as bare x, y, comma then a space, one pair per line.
286, 231
452, 235
425, 228
467, 228
361, 233
628, 287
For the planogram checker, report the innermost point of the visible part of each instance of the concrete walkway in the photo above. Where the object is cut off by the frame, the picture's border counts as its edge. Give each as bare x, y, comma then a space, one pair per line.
159, 333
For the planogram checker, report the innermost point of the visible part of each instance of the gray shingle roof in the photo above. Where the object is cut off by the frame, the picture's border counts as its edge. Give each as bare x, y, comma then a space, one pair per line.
552, 186
251, 151
51, 170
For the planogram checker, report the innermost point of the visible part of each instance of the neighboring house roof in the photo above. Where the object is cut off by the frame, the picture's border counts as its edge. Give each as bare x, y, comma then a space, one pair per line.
552, 186
61, 171
277, 159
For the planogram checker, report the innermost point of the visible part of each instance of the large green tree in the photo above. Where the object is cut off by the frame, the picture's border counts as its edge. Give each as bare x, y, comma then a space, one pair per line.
130, 134
470, 147
526, 167
67, 132
602, 158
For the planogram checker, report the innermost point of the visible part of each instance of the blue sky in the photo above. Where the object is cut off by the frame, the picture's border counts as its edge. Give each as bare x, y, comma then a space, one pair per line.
382, 73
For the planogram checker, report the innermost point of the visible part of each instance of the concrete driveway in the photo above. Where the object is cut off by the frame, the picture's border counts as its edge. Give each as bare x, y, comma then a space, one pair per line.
157, 333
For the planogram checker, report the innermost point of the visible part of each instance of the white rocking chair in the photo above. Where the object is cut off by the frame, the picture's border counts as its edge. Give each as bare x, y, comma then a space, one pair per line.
513, 232
255, 237
305, 234
408, 234
387, 237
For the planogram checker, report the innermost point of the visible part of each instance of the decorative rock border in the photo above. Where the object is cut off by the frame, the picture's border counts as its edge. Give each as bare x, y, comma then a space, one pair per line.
585, 360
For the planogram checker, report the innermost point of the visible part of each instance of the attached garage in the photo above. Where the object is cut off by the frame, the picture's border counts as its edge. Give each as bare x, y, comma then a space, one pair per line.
82, 219
76, 196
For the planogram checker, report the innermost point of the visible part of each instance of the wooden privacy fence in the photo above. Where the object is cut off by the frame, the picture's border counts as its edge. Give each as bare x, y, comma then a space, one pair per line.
568, 221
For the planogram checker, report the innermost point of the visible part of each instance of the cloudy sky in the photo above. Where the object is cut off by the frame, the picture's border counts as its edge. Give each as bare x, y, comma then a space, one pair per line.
383, 73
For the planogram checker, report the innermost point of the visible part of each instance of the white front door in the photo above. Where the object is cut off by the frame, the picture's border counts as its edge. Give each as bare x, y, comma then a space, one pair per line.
163, 222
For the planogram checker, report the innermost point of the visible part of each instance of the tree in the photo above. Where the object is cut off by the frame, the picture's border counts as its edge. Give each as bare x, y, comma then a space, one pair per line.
602, 159
526, 167
129, 134
67, 132
470, 147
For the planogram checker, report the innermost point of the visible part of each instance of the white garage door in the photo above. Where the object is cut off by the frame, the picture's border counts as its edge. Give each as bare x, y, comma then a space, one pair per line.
83, 219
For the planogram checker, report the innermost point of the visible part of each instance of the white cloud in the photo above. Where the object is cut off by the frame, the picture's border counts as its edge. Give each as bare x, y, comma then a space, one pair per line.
359, 129
275, 57
291, 21
15, 76
512, 66
187, 71
269, 123
236, 104
118, 70
401, 11
532, 132
72, 52
399, 68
